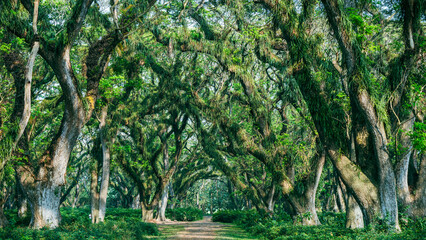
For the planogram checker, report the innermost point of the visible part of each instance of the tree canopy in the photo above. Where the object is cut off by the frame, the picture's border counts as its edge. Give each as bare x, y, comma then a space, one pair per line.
292, 106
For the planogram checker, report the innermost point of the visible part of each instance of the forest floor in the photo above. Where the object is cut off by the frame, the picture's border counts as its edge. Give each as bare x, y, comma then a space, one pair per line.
203, 229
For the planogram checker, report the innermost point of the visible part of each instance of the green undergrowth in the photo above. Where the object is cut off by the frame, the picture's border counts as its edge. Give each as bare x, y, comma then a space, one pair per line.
281, 226
184, 214
168, 231
231, 232
76, 224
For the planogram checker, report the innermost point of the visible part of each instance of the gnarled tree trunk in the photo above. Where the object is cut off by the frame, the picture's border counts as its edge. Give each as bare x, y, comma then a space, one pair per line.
21, 199
147, 212
165, 195
3, 197
304, 204
43, 184
106, 160
94, 194
354, 216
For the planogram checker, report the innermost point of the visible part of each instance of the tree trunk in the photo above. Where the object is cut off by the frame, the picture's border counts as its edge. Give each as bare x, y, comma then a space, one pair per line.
197, 196
44, 201
271, 200
231, 194
44, 186
3, 220
147, 212
340, 197
22, 207
329, 130
94, 195
163, 205
387, 183
21, 199
136, 202
335, 205
366, 193
351, 52
418, 208
305, 211
49, 175
76, 196
304, 204
420, 198
22, 108
165, 195
354, 216
106, 157
412, 203
404, 195
211, 202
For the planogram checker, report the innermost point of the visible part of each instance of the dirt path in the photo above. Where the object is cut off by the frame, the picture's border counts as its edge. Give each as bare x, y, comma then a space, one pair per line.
203, 229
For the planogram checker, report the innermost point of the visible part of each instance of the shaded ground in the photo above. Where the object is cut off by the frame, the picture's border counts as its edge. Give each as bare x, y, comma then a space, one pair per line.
204, 229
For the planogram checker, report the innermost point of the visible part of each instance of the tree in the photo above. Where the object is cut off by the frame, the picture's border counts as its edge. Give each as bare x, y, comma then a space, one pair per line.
43, 182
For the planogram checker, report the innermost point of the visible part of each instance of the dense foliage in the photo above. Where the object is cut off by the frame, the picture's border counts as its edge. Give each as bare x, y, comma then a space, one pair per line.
184, 214
281, 226
280, 108
119, 224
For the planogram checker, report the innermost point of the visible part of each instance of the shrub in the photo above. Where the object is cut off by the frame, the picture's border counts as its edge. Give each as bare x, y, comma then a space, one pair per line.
246, 218
280, 226
119, 224
226, 216
184, 214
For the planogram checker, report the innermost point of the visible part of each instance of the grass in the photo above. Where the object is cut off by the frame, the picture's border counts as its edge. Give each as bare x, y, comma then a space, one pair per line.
167, 231
230, 231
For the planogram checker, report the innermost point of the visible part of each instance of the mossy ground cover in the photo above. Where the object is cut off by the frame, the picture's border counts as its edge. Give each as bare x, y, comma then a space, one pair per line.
281, 226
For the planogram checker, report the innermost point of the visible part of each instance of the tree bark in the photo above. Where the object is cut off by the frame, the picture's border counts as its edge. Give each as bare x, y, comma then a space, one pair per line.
387, 182
23, 207
329, 130
94, 194
49, 176
271, 200
21, 199
147, 212
411, 13
136, 204
165, 195
404, 196
106, 157
76, 196
420, 196
3, 220
402, 110
340, 199
22, 108
304, 204
43, 185
354, 216
29, 76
